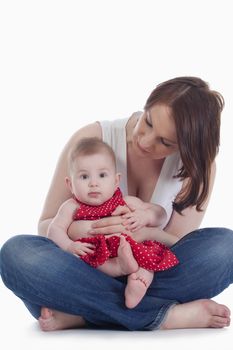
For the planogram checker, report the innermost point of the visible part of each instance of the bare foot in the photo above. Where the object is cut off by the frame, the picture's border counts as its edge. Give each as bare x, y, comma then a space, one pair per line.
137, 285
203, 313
126, 259
52, 320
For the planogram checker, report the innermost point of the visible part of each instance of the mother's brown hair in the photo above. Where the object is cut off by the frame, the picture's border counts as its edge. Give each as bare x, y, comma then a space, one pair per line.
196, 111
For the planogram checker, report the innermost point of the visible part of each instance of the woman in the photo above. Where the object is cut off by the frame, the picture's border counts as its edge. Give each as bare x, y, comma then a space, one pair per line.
166, 156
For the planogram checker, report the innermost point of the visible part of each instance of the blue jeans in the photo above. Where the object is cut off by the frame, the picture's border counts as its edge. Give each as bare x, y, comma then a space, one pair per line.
41, 274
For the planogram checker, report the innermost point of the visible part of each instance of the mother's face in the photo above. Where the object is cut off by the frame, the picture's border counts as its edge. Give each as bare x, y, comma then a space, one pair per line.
154, 135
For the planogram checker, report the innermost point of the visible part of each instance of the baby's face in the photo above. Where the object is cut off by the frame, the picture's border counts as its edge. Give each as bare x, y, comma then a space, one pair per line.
94, 178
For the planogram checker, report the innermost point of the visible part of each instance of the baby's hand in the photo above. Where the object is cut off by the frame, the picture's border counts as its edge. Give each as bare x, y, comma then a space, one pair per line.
135, 220
80, 248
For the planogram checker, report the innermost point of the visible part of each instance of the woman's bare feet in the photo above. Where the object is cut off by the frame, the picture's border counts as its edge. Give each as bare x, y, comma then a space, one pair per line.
52, 320
137, 285
203, 313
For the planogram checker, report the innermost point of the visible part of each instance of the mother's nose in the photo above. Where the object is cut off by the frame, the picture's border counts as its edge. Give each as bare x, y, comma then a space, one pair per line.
147, 142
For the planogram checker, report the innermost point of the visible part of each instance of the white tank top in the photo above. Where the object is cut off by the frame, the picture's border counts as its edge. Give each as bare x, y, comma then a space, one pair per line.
167, 187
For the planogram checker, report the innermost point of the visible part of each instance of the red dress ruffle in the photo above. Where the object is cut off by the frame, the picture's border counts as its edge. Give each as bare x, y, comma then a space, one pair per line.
150, 255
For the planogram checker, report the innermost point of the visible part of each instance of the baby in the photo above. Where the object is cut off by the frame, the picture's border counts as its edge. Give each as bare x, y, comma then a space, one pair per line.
94, 183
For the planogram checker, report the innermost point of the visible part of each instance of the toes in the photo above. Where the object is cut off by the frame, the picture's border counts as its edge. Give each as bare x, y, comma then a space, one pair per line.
44, 324
220, 315
216, 309
221, 310
220, 322
46, 313
225, 311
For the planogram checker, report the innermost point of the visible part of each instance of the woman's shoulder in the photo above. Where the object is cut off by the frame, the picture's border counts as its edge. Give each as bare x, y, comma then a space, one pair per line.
90, 130
97, 128
119, 123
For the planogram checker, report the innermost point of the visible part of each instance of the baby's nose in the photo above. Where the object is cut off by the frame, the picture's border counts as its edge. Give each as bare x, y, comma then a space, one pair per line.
93, 182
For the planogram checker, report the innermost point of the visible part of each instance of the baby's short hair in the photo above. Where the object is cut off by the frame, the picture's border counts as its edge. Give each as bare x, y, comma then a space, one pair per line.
89, 146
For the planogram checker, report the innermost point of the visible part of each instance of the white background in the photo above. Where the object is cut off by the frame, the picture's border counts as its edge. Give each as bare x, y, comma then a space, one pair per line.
64, 64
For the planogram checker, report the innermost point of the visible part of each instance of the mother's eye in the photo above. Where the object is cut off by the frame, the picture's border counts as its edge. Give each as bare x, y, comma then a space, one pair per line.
165, 143
148, 119
148, 123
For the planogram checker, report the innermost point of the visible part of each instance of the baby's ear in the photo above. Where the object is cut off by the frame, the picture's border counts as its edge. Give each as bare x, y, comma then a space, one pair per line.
118, 176
69, 184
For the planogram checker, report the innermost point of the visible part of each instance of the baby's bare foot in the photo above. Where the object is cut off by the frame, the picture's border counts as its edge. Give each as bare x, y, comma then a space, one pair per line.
203, 313
126, 260
137, 285
52, 320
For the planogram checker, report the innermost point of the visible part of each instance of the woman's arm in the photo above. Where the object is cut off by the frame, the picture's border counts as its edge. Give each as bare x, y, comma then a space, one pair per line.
154, 234
179, 225
58, 191
114, 225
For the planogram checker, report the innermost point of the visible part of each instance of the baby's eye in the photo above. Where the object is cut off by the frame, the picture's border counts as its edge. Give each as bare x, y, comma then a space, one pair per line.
84, 176
103, 175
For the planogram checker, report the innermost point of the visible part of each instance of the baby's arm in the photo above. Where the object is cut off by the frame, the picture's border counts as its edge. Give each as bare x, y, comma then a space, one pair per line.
80, 228
143, 214
57, 230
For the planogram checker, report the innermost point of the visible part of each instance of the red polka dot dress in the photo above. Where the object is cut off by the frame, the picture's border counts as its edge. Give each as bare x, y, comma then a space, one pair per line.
151, 255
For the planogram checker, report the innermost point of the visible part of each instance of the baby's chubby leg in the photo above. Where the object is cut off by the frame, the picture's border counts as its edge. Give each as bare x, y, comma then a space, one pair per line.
123, 264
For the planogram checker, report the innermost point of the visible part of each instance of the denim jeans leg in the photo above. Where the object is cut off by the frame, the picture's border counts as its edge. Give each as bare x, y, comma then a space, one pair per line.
205, 267
41, 274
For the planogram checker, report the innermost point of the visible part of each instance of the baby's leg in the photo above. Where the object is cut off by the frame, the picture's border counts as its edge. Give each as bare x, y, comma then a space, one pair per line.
137, 286
123, 264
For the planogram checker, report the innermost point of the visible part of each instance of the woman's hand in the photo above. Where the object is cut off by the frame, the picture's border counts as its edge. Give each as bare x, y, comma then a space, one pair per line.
111, 225
136, 219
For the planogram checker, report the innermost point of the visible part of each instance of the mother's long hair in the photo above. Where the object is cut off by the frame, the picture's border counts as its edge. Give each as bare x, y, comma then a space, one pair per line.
196, 111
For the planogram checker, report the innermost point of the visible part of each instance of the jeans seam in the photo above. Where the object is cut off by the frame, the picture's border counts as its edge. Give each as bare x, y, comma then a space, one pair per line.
160, 317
